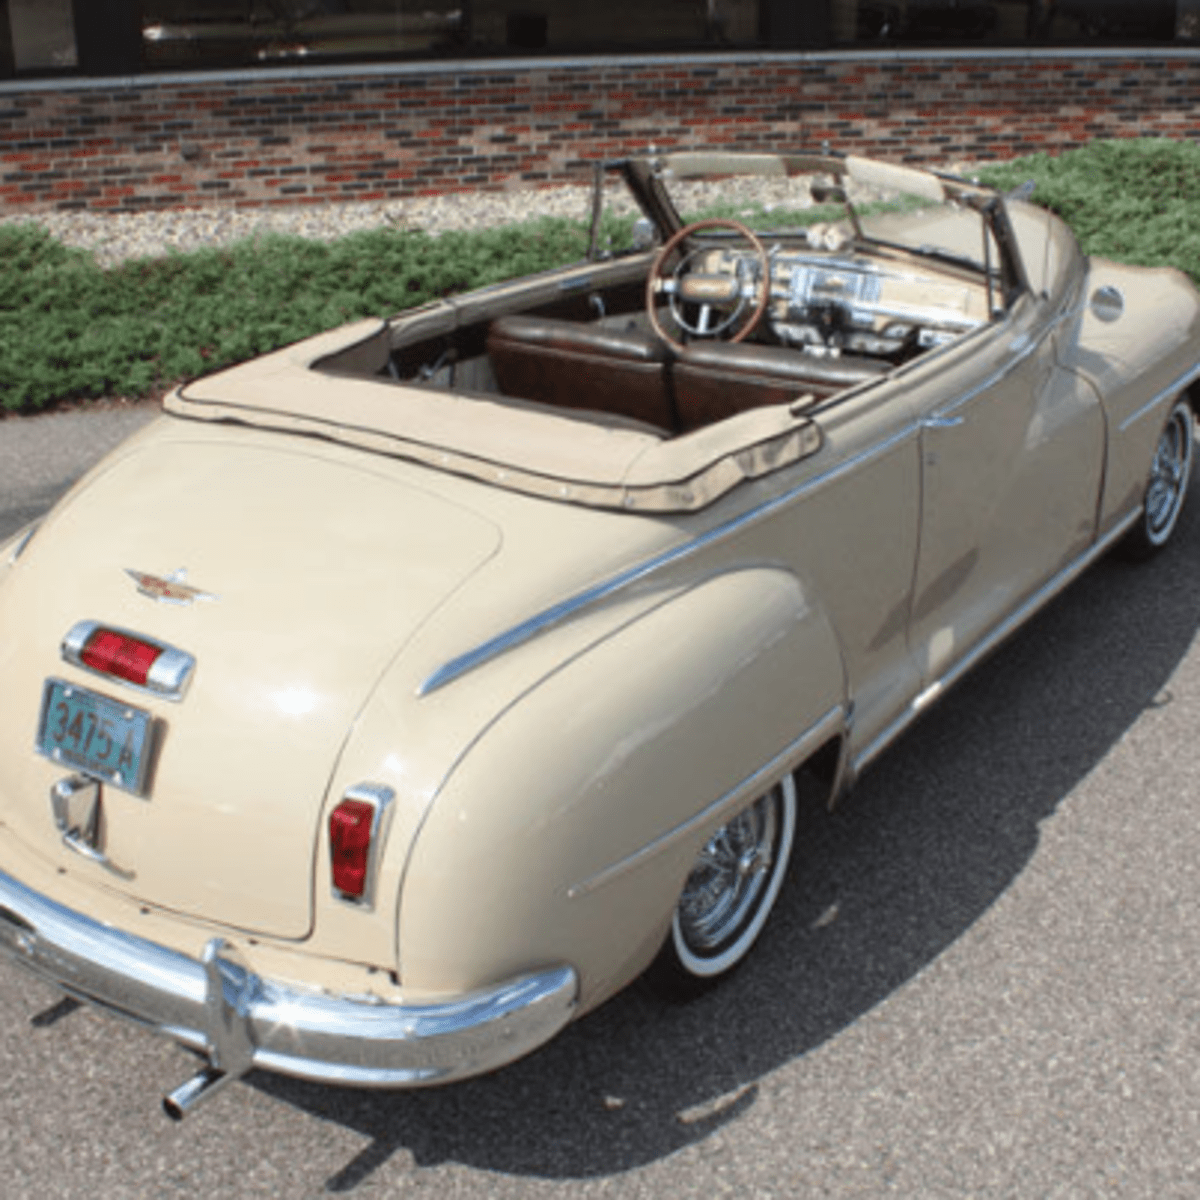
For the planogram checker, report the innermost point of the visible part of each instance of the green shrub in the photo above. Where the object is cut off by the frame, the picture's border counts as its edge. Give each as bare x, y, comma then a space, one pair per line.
70, 329
1136, 200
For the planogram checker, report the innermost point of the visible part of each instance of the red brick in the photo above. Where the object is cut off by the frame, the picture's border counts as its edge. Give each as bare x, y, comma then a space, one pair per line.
685, 105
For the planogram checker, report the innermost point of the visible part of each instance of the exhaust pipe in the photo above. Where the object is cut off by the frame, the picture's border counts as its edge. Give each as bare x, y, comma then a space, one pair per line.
187, 1095
229, 988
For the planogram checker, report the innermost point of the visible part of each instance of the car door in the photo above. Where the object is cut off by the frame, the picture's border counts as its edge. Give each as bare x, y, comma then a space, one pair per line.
1011, 471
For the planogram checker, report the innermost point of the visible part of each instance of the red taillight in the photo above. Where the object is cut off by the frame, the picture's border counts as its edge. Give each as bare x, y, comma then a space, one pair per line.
119, 654
350, 828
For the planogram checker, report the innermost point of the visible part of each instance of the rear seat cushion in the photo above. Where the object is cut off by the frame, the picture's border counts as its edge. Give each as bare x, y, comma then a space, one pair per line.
714, 380
572, 365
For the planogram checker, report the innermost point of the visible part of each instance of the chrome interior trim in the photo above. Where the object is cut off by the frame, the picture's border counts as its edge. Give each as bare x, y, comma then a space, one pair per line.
1168, 393
934, 318
801, 278
455, 668
752, 786
983, 648
380, 799
169, 676
358, 1041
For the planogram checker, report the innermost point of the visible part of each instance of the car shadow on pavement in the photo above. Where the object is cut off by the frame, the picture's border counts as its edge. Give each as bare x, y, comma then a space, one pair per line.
933, 835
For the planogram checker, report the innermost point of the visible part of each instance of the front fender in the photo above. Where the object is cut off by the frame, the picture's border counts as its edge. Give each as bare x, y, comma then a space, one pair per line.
565, 834
1142, 347
1138, 360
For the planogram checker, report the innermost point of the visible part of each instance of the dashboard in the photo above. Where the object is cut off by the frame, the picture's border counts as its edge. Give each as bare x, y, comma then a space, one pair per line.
857, 303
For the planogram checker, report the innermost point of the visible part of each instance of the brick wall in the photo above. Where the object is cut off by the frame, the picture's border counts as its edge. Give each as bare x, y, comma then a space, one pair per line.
253, 139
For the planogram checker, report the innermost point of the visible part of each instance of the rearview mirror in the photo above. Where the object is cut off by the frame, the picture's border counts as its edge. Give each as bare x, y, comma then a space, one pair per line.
643, 235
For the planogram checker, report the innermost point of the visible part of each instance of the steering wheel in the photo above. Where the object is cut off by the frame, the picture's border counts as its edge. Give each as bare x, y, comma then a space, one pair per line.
738, 300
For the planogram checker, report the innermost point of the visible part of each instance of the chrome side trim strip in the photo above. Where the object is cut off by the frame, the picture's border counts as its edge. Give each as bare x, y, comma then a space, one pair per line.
998, 375
358, 1041
1167, 393
22, 541
983, 648
792, 754
168, 678
558, 613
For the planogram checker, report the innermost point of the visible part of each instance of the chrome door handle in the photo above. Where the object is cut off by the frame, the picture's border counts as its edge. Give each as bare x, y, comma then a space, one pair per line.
942, 422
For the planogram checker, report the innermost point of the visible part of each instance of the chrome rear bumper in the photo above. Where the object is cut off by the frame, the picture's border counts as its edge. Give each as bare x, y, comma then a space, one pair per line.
240, 1020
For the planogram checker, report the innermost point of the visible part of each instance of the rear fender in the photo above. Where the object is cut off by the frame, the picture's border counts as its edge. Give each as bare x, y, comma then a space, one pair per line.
12, 548
565, 834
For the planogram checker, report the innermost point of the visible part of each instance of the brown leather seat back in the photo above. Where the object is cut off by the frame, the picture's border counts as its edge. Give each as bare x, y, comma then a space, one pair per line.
714, 380
573, 365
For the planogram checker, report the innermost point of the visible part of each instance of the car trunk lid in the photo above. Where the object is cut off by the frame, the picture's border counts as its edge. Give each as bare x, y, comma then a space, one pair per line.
309, 573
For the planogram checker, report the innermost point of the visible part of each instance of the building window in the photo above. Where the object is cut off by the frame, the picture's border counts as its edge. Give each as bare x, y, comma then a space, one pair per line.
189, 33
568, 25
1007, 22
41, 35
123, 37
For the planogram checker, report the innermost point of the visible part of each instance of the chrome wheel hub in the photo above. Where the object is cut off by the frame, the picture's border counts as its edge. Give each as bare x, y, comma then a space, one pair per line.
730, 874
1168, 478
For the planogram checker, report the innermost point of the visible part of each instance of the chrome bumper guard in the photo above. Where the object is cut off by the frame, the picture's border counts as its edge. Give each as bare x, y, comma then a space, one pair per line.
240, 1020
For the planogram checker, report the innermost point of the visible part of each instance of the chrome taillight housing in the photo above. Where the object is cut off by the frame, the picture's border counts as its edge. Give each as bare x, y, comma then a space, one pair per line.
130, 658
357, 827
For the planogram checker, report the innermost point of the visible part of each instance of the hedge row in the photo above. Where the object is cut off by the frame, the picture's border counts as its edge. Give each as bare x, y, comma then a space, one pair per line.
70, 329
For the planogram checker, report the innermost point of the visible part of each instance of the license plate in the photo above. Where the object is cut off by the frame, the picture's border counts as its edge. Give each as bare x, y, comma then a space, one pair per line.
102, 738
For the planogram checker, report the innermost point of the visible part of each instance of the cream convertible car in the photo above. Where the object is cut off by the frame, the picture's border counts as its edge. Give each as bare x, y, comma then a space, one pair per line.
401, 695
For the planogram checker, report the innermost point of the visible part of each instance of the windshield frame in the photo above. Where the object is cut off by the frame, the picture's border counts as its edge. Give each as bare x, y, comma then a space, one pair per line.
647, 180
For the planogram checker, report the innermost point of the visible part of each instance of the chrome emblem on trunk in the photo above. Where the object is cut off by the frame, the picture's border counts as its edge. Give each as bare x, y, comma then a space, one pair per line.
169, 589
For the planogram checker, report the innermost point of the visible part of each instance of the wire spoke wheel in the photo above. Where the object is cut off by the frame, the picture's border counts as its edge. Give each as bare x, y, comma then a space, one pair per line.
729, 877
729, 893
1166, 488
1167, 477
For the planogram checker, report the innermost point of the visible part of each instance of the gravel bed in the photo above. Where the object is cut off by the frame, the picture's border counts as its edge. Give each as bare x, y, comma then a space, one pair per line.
116, 237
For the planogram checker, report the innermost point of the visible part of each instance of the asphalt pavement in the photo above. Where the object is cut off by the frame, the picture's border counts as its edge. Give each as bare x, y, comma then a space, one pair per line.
41, 456
981, 979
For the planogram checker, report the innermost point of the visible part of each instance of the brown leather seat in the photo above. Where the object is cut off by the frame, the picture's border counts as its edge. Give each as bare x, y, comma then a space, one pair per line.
714, 380
573, 365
